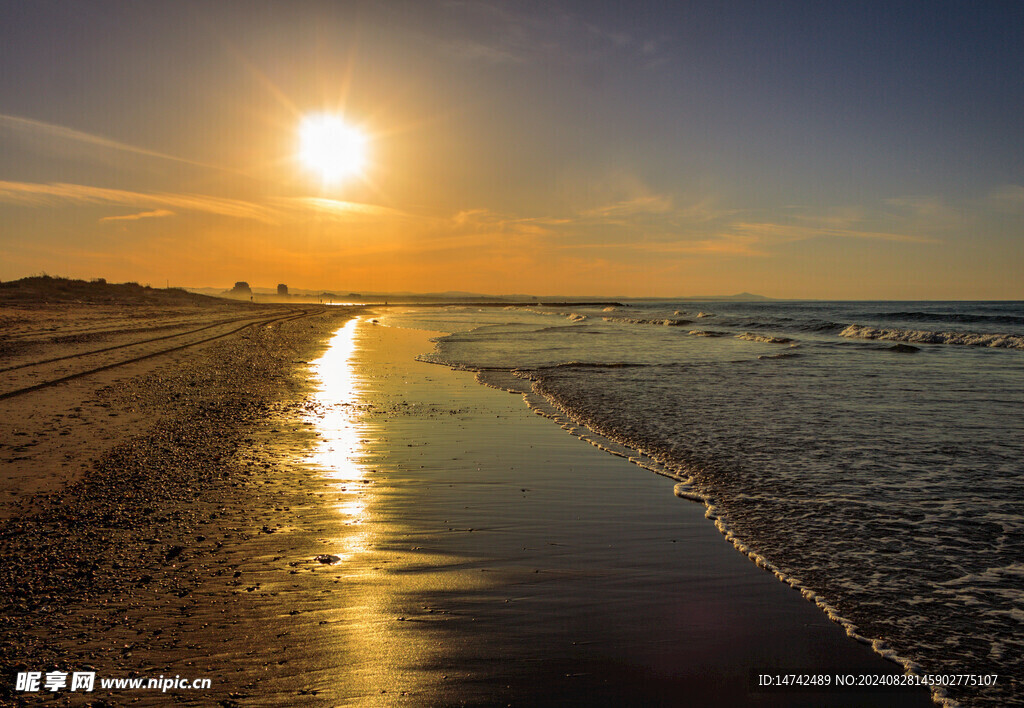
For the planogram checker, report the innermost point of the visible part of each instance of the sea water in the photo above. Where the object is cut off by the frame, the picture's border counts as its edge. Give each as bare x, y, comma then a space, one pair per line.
869, 453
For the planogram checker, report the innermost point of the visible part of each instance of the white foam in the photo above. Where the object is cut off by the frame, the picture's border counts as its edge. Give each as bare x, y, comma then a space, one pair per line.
685, 490
751, 337
973, 339
633, 320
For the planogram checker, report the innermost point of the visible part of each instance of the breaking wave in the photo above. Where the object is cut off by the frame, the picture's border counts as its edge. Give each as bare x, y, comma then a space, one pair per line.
780, 355
912, 316
595, 365
973, 339
633, 320
751, 337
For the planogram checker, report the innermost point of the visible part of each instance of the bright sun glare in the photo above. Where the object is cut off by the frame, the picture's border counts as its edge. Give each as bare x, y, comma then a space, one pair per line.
330, 147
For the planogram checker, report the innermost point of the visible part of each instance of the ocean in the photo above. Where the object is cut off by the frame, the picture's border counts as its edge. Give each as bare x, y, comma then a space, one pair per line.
871, 454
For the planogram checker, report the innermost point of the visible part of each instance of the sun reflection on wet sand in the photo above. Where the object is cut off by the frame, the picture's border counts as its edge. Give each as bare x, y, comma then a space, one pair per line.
378, 634
339, 450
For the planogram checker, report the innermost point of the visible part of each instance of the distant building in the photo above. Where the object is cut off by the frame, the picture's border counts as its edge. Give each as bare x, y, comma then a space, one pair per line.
241, 289
282, 289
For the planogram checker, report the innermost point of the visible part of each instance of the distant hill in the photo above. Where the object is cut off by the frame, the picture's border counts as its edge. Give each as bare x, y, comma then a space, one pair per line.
46, 288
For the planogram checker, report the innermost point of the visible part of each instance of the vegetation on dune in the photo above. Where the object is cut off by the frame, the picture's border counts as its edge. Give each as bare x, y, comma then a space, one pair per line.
50, 288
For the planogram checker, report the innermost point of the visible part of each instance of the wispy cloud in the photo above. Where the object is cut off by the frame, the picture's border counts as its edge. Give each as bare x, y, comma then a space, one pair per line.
1009, 197
56, 194
645, 204
341, 210
929, 213
60, 132
654, 225
496, 33
720, 244
154, 214
644, 225
473, 51
279, 209
775, 233
490, 223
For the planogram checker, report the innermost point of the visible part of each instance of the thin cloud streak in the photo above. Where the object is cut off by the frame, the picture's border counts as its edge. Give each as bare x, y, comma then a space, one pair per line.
647, 204
725, 244
56, 194
784, 233
1009, 197
341, 209
550, 37
690, 235
34, 194
669, 230
51, 130
156, 213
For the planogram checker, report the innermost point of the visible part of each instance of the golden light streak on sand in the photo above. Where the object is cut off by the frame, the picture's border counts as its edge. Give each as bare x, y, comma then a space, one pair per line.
365, 650
339, 450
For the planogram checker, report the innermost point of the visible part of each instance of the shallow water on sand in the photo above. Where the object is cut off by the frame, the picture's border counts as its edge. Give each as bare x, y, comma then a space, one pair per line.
480, 570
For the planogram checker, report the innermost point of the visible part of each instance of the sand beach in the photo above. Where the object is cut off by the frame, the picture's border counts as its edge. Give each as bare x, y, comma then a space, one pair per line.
290, 505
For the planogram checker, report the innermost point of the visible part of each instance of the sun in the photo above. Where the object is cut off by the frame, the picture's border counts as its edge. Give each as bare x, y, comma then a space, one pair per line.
331, 147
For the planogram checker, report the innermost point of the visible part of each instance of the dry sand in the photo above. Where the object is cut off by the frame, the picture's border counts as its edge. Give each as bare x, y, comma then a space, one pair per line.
479, 554
151, 459
50, 436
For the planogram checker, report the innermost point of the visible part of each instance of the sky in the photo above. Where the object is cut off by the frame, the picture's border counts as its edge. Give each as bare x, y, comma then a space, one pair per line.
836, 150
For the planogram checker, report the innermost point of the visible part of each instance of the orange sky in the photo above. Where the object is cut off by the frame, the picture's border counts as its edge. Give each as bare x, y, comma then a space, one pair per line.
551, 153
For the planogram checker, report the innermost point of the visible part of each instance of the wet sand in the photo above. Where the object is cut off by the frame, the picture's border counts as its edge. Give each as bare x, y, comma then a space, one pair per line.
529, 568
476, 554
